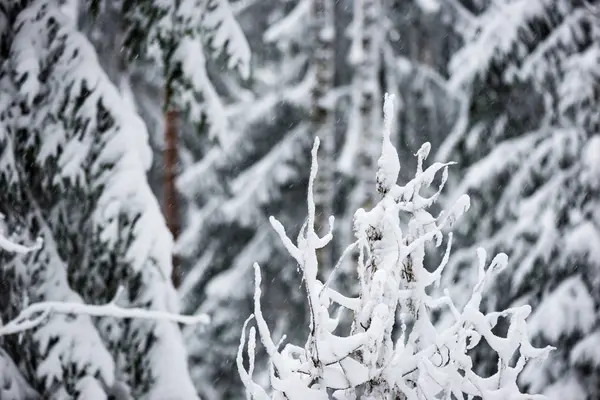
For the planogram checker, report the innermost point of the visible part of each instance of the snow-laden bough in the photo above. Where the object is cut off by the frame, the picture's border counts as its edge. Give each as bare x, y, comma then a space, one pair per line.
36, 313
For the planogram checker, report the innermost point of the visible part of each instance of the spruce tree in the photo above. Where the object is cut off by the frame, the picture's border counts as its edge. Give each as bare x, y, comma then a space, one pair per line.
73, 159
233, 188
528, 140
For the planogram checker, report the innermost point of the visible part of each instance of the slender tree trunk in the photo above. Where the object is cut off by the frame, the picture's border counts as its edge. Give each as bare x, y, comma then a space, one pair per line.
367, 95
322, 115
170, 159
366, 58
408, 136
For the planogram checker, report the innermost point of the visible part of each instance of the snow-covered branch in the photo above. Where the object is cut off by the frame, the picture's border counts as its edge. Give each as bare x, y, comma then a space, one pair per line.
10, 246
424, 362
37, 313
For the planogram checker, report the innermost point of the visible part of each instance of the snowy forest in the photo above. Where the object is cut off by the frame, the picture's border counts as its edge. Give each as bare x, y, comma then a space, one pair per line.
299, 199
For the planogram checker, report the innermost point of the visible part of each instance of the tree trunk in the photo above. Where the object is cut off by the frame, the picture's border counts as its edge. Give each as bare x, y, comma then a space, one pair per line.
170, 159
367, 95
365, 120
322, 116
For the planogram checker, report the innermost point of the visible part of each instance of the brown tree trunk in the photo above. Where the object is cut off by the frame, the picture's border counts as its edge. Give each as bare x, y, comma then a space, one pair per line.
170, 159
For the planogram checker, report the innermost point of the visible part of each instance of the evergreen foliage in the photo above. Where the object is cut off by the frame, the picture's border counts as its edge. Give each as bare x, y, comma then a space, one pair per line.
73, 160
527, 142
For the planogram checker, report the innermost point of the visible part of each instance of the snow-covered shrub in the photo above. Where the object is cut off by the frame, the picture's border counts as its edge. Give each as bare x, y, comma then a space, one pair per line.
371, 362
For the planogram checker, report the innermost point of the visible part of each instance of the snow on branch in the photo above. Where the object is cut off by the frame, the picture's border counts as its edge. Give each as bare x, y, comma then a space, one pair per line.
12, 247
37, 313
8, 245
369, 362
291, 27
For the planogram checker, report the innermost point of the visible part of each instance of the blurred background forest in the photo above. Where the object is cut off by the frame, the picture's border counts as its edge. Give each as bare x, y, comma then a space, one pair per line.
227, 191
508, 89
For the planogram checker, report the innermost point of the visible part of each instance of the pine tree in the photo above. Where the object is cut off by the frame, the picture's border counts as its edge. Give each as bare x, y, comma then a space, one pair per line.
528, 140
73, 158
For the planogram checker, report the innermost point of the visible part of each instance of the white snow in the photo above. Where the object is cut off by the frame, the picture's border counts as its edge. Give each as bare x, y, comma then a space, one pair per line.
567, 387
586, 351
580, 241
392, 275
225, 33
591, 161
429, 6
570, 307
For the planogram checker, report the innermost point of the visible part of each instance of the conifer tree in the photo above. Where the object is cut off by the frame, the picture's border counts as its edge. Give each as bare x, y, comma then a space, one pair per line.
528, 143
73, 158
232, 188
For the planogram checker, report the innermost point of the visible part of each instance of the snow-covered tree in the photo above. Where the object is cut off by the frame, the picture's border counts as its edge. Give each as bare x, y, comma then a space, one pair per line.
262, 170
233, 188
396, 48
179, 37
528, 143
424, 363
151, 84
143, 79
73, 158
38, 313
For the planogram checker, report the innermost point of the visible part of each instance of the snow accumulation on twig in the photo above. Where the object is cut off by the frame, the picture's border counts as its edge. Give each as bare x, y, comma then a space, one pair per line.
370, 363
37, 313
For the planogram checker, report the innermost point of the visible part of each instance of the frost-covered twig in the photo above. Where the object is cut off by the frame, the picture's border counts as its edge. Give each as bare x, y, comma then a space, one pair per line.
424, 363
36, 314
